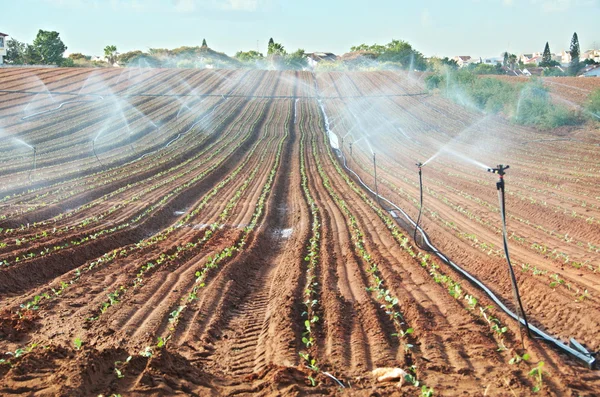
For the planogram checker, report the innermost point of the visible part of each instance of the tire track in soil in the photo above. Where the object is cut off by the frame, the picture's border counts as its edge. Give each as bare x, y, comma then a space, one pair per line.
147, 311
366, 334
444, 330
90, 292
245, 310
21, 279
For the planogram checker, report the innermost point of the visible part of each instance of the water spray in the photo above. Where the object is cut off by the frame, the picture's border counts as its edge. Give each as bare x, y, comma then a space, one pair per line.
34, 162
375, 175
94, 150
501, 171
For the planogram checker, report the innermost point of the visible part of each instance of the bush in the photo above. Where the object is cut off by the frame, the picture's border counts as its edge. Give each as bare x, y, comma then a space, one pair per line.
535, 109
593, 104
528, 103
553, 72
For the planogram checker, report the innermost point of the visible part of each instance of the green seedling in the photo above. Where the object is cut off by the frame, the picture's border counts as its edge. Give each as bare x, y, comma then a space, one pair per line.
147, 352
471, 301
537, 373
518, 359
162, 341
426, 391
77, 343
121, 364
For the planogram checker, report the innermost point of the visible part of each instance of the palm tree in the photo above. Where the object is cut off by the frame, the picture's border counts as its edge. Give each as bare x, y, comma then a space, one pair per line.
512, 60
110, 53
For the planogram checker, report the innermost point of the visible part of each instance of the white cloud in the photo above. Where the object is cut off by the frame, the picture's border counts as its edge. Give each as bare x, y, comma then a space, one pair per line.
508, 3
426, 20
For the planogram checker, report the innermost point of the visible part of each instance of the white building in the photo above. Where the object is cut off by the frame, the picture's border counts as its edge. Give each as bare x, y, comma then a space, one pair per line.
463, 60
2, 47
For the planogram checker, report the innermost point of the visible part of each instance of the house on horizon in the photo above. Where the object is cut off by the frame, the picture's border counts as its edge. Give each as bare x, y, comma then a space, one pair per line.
2, 47
533, 71
594, 55
315, 57
590, 71
463, 60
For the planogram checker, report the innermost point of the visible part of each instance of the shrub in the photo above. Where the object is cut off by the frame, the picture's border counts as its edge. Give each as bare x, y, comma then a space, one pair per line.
593, 104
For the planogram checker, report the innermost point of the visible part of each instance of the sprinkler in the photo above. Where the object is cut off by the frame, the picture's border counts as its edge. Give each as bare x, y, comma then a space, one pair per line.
501, 171
350, 148
34, 161
96, 154
375, 175
420, 167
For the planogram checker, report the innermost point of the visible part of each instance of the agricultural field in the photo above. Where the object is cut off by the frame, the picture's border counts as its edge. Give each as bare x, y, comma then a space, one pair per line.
211, 232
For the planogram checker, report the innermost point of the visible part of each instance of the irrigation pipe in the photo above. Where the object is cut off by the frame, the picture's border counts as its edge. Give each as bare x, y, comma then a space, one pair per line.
501, 200
219, 95
576, 350
58, 107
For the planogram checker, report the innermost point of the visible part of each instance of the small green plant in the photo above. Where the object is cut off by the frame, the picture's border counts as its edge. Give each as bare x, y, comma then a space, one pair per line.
537, 373
162, 341
426, 391
77, 342
147, 352
119, 365
518, 359
472, 301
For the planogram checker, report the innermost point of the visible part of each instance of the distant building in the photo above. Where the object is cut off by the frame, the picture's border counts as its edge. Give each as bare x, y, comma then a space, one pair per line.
492, 60
594, 55
512, 72
463, 60
533, 71
316, 57
2, 47
590, 71
565, 57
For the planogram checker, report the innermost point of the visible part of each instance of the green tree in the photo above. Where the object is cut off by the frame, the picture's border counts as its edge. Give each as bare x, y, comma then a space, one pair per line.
49, 47
31, 56
296, 60
574, 51
276, 49
204, 43
15, 52
127, 57
547, 57
77, 56
249, 56
512, 61
438, 64
67, 63
110, 53
505, 60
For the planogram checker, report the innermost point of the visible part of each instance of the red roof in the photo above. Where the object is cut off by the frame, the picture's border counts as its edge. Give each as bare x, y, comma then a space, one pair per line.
3, 34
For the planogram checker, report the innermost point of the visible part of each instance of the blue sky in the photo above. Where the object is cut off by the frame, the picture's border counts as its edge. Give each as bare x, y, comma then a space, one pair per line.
442, 28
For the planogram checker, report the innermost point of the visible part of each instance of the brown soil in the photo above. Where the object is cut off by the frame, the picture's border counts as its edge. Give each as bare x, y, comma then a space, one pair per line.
101, 281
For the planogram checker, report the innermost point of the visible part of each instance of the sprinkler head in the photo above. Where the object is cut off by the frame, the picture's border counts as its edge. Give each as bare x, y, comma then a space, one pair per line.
419, 164
500, 169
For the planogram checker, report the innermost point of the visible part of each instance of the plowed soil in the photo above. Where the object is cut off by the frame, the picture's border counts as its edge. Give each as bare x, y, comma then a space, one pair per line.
193, 232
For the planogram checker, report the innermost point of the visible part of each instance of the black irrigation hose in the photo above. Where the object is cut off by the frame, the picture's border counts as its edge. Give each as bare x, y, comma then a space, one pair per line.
576, 350
513, 279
